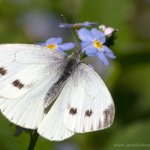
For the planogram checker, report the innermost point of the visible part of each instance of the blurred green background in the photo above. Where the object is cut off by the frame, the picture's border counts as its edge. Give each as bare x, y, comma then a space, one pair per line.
128, 77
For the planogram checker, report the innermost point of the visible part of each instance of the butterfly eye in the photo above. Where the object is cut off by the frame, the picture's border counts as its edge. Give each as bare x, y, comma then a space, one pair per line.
3, 71
18, 84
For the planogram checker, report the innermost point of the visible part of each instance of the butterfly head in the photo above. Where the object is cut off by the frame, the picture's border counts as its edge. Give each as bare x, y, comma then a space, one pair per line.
75, 56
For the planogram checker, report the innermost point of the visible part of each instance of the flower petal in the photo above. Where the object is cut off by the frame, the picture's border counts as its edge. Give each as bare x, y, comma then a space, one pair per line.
98, 35
108, 52
108, 31
85, 45
88, 24
66, 46
54, 41
84, 34
103, 58
77, 25
88, 48
91, 51
112, 56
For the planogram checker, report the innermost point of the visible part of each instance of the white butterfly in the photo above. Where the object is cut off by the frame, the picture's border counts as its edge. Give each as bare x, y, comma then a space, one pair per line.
43, 89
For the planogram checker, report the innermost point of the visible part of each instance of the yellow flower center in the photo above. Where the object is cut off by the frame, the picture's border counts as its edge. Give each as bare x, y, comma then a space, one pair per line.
97, 44
52, 46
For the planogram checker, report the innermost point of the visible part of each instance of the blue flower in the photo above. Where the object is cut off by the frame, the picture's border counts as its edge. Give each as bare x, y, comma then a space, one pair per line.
56, 43
93, 44
77, 25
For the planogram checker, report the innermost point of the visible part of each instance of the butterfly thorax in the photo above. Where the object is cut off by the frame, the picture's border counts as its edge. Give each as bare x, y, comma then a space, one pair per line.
72, 62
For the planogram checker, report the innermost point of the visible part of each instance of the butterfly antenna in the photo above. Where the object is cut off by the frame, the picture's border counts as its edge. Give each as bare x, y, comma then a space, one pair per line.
74, 38
97, 39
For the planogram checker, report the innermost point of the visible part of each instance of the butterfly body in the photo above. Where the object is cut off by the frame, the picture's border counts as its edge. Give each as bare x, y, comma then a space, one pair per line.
71, 63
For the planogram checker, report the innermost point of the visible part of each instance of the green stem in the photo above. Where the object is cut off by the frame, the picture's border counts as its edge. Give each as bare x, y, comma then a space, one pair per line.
33, 139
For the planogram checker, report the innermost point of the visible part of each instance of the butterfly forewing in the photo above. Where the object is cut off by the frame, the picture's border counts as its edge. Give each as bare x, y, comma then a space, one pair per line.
27, 83
28, 53
27, 66
89, 104
26, 112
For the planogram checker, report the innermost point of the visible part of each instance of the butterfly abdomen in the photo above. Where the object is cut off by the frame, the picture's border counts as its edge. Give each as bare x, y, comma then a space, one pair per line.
54, 91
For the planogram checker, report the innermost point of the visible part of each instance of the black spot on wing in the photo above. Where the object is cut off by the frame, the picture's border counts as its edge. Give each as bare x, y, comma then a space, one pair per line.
73, 111
88, 113
109, 116
18, 84
3, 71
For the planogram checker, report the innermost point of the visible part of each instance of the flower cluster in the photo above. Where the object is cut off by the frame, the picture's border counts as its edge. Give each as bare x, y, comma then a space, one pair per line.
92, 41
93, 44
